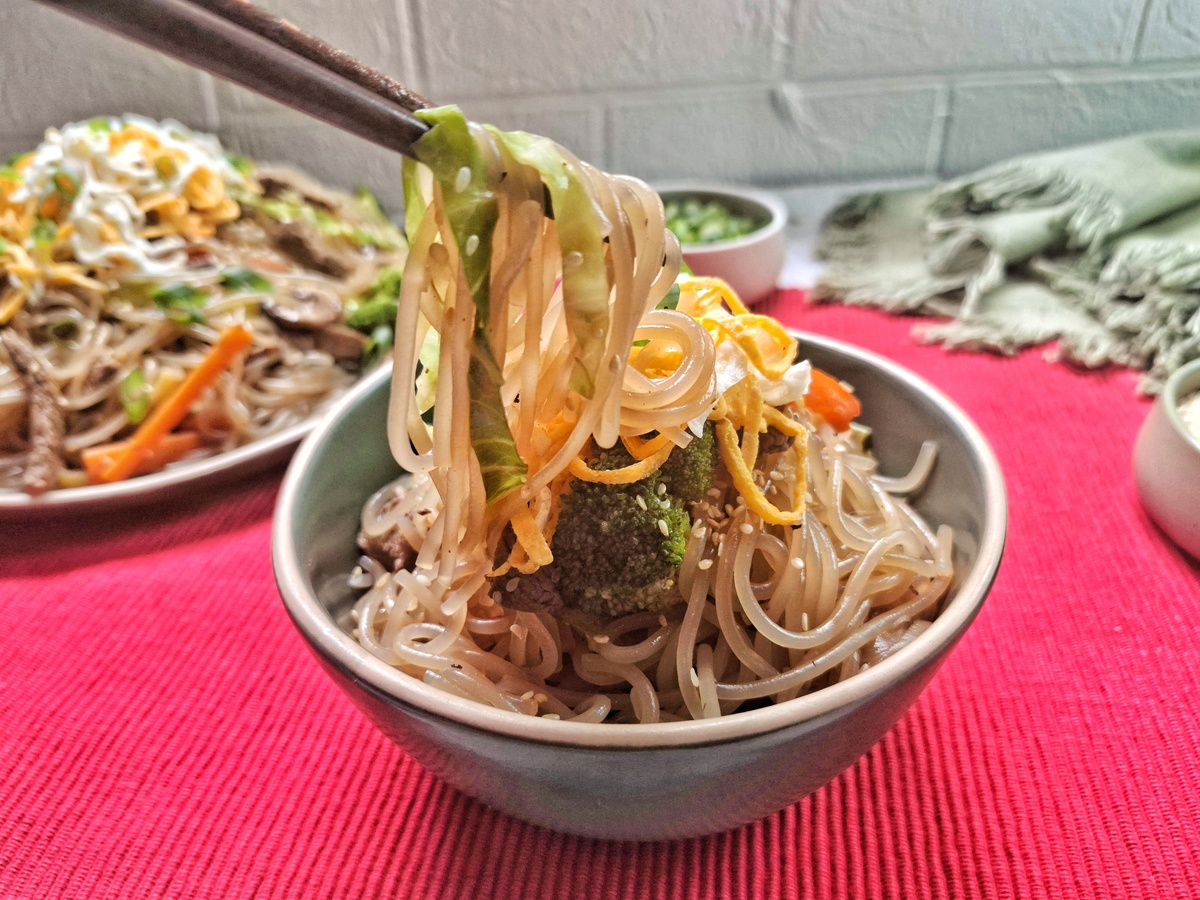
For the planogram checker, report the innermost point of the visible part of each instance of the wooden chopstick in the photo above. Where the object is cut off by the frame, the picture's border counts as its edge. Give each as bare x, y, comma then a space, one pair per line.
311, 47
365, 105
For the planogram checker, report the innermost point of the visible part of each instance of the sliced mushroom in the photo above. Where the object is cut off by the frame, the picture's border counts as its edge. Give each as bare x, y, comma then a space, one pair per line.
304, 309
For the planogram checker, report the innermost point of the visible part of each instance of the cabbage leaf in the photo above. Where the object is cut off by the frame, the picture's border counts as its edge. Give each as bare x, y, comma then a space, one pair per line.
581, 230
449, 150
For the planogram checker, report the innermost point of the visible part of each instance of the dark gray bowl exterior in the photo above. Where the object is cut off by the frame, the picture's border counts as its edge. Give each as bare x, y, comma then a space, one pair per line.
664, 792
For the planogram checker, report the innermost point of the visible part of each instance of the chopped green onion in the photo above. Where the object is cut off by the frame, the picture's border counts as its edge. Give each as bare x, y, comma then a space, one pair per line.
63, 329
239, 278
641, 343
240, 163
100, 124
182, 303
44, 232
671, 300
697, 222
135, 396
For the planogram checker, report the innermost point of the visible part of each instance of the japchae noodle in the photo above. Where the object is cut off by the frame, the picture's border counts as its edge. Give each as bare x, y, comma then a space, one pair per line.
633, 503
127, 247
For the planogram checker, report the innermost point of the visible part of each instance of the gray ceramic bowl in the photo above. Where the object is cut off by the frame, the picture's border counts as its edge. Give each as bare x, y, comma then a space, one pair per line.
1166, 462
640, 782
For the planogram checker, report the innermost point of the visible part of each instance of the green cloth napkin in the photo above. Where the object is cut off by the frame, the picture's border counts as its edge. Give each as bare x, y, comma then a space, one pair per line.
1095, 246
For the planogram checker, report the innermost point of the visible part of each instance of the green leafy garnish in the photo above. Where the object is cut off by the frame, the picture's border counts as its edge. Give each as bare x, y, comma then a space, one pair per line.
671, 300
135, 396
100, 124
641, 343
239, 278
44, 232
182, 303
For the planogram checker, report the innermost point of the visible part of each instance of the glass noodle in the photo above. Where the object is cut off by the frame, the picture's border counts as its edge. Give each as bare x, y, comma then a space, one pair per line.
802, 565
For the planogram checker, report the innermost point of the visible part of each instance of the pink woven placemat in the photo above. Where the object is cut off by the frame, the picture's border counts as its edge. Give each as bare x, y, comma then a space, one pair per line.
165, 733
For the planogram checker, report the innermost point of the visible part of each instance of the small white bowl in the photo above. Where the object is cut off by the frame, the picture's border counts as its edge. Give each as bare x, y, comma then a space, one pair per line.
750, 264
1166, 463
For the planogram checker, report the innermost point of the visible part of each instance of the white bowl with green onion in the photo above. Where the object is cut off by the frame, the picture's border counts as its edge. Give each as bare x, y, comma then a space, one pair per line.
732, 233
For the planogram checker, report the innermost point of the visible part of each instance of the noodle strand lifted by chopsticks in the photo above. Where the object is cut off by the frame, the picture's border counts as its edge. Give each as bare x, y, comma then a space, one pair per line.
579, 375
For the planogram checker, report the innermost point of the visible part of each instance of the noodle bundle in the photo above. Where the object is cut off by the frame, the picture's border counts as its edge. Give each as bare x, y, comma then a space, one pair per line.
634, 504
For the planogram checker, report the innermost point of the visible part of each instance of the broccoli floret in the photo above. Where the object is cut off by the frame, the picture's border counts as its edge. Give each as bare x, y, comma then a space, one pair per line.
688, 471
611, 555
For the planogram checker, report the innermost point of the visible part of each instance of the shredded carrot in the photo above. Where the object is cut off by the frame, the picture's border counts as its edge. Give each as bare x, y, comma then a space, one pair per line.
631, 473
166, 416
828, 399
168, 449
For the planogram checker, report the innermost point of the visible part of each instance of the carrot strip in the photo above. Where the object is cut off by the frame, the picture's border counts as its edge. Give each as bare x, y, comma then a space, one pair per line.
167, 415
828, 399
168, 449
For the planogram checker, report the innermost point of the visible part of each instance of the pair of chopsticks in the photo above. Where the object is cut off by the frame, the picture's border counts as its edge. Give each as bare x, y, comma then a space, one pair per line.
237, 41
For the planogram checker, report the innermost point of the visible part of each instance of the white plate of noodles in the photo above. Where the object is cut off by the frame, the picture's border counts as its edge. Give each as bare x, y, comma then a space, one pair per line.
174, 314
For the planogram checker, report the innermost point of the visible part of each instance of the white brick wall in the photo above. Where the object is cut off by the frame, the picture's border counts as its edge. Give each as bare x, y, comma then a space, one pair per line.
766, 91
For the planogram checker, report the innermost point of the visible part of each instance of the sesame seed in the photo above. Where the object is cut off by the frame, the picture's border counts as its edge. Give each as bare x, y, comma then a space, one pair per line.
864, 667
695, 678
472, 245
662, 620
540, 698
512, 584
551, 716
714, 492
796, 562
662, 489
804, 622
462, 179
528, 695
704, 564
601, 638
662, 526
641, 501
746, 528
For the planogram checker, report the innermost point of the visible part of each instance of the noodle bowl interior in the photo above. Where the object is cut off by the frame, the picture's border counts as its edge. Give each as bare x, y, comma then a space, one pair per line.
633, 504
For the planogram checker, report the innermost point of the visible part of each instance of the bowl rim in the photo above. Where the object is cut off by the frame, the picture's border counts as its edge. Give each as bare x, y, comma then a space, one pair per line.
1170, 396
769, 202
339, 649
